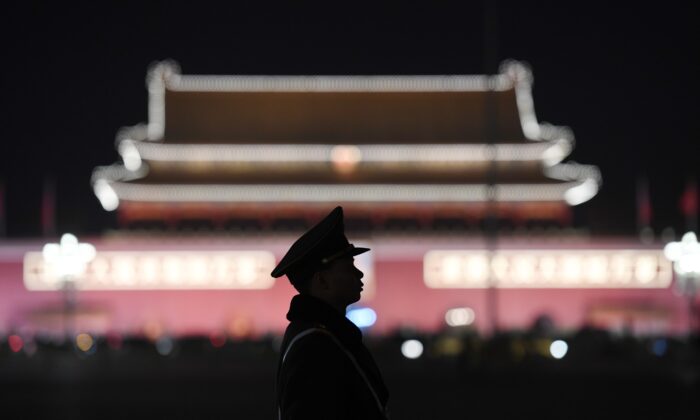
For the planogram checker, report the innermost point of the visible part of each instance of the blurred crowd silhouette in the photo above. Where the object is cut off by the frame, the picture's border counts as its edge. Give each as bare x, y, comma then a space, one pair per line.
455, 373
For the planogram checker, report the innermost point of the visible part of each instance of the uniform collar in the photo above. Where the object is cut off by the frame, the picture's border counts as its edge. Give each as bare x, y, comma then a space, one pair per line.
310, 309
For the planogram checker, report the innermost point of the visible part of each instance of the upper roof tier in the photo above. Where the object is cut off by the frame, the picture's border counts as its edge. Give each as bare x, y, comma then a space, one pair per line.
342, 109
340, 118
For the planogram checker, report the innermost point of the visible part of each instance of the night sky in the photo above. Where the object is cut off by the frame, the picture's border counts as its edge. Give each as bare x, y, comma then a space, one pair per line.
624, 78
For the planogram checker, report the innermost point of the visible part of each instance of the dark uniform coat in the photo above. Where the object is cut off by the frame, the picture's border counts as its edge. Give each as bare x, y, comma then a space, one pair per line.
325, 371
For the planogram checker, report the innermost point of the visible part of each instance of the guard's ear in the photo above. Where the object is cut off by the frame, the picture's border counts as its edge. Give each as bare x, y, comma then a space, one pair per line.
319, 281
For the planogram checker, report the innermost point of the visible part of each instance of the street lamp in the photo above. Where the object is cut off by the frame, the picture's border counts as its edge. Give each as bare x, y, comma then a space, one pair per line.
685, 255
67, 261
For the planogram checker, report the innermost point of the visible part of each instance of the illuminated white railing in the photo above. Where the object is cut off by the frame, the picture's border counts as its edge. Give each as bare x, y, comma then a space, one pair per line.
172, 270
317, 193
144, 270
547, 269
133, 151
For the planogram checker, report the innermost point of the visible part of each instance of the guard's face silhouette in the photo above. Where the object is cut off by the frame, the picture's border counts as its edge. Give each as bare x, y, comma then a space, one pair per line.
344, 281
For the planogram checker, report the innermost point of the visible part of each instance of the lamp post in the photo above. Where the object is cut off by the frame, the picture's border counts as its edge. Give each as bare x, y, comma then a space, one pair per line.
685, 255
67, 262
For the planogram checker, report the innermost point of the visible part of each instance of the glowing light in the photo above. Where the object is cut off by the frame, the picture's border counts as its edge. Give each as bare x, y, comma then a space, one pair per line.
362, 317
412, 349
154, 270
197, 270
345, 158
571, 268
124, 271
164, 346
549, 269
315, 193
240, 327
523, 268
130, 155
68, 259
213, 83
84, 342
596, 268
149, 270
106, 194
458, 317
246, 272
172, 270
645, 269
621, 269
449, 346
556, 152
659, 347
452, 270
558, 349
549, 153
16, 343
581, 193
153, 330
685, 255
217, 340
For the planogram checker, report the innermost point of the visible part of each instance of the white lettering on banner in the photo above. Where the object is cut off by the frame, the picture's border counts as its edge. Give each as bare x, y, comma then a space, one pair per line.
144, 270
641, 269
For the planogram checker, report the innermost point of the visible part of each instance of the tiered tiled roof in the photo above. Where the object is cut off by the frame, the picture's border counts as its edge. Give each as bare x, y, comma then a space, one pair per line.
247, 146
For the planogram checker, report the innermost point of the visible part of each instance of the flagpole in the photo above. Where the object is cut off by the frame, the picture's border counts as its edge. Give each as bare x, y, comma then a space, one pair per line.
644, 210
689, 205
491, 118
48, 207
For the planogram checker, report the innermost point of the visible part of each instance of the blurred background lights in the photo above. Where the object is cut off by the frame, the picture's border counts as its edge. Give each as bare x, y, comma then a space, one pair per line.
164, 346
458, 317
114, 340
153, 330
345, 157
69, 258
449, 346
84, 342
478, 268
217, 340
412, 349
362, 317
685, 254
558, 349
659, 347
240, 327
16, 343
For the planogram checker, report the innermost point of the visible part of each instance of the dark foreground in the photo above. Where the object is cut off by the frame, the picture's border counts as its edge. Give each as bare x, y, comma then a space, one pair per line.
459, 376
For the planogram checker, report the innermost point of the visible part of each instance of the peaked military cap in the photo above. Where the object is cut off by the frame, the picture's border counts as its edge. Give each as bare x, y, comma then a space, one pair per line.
320, 245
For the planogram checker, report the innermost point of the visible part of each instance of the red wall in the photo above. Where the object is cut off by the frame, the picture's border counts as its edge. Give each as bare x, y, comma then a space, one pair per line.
400, 298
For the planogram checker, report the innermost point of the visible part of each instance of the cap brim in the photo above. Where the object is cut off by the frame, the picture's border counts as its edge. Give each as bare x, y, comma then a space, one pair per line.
351, 252
358, 251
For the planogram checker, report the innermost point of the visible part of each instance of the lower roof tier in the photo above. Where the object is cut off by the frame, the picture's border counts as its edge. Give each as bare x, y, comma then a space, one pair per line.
567, 183
401, 173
